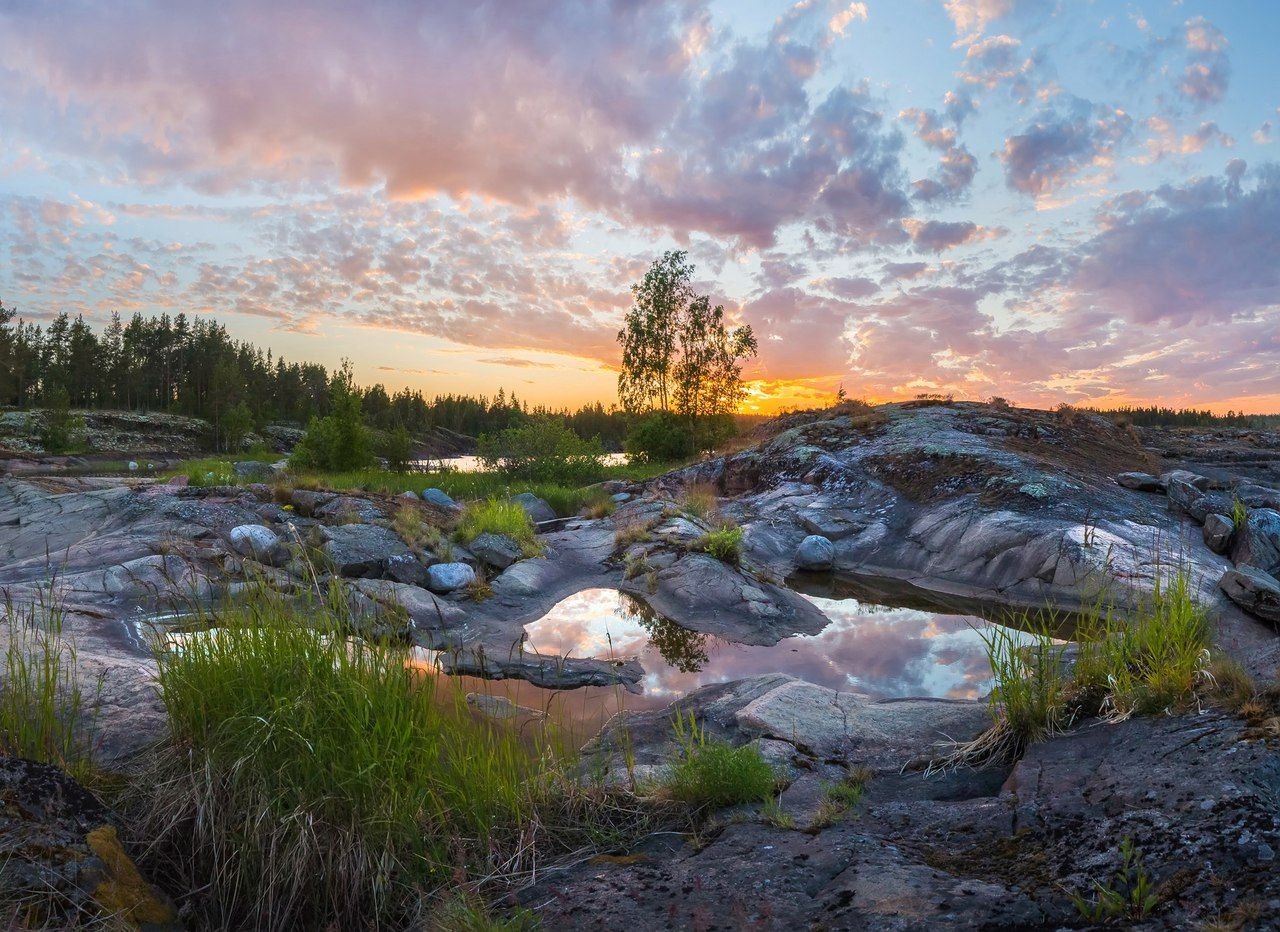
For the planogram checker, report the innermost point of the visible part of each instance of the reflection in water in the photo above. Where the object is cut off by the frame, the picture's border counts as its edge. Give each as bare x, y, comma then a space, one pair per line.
474, 464
872, 649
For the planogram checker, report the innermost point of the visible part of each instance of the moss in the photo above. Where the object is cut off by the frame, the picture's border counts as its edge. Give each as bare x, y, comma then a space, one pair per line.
123, 891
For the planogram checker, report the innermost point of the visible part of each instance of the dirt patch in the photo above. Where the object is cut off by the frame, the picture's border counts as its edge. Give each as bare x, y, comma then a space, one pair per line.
936, 477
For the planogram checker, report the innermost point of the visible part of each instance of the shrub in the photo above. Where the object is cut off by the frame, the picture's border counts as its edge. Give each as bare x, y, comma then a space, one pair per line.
495, 516
339, 441
713, 773
699, 501
396, 447
724, 544
61, 431
544, 450
659, 437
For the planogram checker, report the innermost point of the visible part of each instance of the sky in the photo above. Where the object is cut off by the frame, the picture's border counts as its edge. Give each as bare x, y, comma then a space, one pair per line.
1047, 201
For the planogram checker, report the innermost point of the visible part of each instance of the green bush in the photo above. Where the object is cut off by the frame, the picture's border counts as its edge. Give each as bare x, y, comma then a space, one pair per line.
396, 447
659, 437
60, 432
724, 544
339, 441
713, 773
544, 450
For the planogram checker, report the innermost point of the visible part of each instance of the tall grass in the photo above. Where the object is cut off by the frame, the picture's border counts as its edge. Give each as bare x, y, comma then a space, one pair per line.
41, 699
1153, 657
312, 780
714, 773
495, 516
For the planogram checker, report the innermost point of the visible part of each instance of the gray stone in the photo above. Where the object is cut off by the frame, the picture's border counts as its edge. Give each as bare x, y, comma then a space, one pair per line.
260, 543
1253, 590
440, 499
1258, 542
1217, 533
448, 577
538, 510
253, 471
361, 550
406, 568
621, 497
496, 550
680, 530
348, 508
815, 553
1186, 477
1140, 482
306, 502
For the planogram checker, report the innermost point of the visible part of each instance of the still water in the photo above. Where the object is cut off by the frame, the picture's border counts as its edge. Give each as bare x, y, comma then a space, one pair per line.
473, 464
876, 650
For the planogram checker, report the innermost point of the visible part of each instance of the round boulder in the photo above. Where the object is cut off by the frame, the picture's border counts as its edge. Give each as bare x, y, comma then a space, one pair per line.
496, 550
439, 498
815, 553
539, 511
447, 577
260, 543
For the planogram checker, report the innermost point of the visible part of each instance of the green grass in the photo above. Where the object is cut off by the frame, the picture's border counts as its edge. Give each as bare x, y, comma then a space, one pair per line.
41, 700
713, 773
1152, 658
1239, 513
496, 516
724, 544
204, 472
313, 780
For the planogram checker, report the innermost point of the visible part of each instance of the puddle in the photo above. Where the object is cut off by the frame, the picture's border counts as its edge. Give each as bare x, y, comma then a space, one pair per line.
881, 651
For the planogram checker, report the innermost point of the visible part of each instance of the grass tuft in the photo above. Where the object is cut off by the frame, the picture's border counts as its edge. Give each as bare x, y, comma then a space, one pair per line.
724, 544
495, 516
714, 773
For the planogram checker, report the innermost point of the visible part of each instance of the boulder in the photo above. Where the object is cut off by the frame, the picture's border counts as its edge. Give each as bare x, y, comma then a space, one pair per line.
1257, 543
1195, 480
440, 499
406, 568
1258, 496
348, 508
260, 543
306, 502
679, 530
253, 471
538, 510
1195, 503
361, 550
496, 550
448, 577
1140, 482
1217, 533
815, 553
1254, 591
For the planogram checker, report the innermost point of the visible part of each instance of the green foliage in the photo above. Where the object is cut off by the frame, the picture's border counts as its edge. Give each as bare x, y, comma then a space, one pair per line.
659, 437
206, 472
1031, 688
464, 913
61, 432
544, 450
41, 700
724, 544
339, 441
677, 354
683, 649
497, 516
1129, 895
396, 447
1239, 513
316, 780
235, 426
713, 773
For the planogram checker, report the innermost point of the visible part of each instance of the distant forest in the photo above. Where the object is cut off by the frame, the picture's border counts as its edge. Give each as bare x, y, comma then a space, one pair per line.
1156, 416
190, 366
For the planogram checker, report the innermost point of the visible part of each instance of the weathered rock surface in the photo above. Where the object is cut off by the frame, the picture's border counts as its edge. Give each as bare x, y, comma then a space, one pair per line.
496, 550
1253, 590
1140, 482
440, 499
253, 471
1217, 533
1257, 543
539, 511
60, 848
260, 543
361, 550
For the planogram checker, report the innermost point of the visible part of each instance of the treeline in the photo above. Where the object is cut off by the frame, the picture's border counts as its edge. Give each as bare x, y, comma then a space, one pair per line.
191, 366
1157, 416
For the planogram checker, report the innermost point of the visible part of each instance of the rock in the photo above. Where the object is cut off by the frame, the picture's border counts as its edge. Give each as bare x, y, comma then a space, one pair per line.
621, 497
815, 553
1257, 543
406, 568
539, 511
546, 672
361, 550
1217, 532
60, 849
133, 465
501, 708
449, 577
440, 499
1258, 496
253, 471
1140, 482
260, 543
306, 502
680, 530
348, 508
496, 550
407, 496
1186, 477
1253, 590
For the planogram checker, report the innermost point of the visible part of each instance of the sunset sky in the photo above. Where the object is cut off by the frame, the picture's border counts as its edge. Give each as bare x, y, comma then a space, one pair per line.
1044, 200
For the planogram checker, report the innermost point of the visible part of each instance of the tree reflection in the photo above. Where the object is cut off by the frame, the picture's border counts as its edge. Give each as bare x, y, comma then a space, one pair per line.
681, 648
